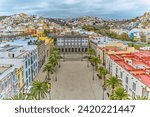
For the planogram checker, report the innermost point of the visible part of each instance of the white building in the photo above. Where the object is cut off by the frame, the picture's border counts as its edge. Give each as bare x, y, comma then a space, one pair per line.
134, 71
21, 55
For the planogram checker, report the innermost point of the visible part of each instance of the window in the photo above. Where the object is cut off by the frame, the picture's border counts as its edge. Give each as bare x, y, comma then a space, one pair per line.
2, 87
127, 79
72, 49
75, 49
82, 49
14, 78
8, 81
121, 75
29, 80
28, 61
27, 83
116, 70
134, 86
65, 49
26, 74
29, 71
18, 76
133, 94
126, 88
22, 80
6, 84
13, 55
26, 64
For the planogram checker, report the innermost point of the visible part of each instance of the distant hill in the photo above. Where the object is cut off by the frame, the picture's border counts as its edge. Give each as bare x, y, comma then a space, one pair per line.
137, 22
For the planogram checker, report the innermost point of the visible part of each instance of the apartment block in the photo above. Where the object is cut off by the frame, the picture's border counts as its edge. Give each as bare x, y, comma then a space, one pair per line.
24, 58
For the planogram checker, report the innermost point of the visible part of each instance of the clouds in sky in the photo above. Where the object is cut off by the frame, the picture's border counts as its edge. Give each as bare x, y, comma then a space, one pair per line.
73, 8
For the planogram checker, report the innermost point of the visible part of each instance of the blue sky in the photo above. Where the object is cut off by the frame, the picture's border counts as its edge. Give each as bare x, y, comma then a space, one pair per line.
116, 9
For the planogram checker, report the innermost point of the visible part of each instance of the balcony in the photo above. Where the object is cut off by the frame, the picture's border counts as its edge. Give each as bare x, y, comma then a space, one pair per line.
15, 82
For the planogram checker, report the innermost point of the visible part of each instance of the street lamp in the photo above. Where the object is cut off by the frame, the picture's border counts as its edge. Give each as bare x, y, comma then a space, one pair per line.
49, 87
88, 62
59, 62
93, 72
56, 74
103, 87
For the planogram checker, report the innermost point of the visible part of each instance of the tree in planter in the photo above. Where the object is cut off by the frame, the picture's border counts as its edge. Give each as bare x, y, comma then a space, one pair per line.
49, 68
112, 83
39, 89
119, 94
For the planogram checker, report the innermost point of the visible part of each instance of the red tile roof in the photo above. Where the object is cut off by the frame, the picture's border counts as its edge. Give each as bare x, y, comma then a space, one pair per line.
145, 79
141, 58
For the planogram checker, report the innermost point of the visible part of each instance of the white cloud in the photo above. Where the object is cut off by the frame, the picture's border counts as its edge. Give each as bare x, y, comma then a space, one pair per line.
106, 8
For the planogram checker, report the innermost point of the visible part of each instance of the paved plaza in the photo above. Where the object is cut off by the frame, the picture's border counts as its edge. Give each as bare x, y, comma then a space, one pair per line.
74, 81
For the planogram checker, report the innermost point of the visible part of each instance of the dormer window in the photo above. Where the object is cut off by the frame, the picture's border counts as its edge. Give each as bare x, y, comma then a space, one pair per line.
13, 55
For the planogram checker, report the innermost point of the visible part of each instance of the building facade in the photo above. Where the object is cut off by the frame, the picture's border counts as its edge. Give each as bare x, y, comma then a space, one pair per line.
134, 71
72, 43
24, 58
8, 80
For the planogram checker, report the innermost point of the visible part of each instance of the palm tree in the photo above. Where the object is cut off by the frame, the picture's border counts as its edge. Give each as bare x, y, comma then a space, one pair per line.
53, 60
95, 61
56, 54
91, 52
119, 94
112, 83
140, 98
100, 70
49, 68
39, 89
104, 73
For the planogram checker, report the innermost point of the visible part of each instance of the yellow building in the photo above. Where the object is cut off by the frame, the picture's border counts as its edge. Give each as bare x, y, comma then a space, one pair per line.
19, 75
47, 40
113, 49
